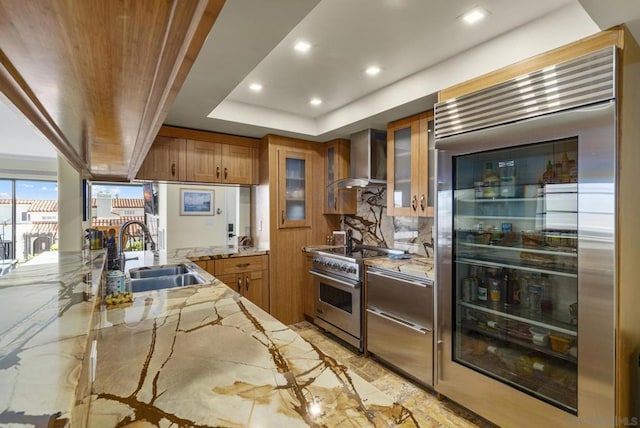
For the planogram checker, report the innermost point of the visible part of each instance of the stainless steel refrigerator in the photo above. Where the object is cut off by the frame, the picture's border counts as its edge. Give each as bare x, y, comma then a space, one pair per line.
526, 246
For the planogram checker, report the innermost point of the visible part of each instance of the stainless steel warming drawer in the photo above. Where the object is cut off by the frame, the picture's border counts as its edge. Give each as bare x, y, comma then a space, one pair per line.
400, 322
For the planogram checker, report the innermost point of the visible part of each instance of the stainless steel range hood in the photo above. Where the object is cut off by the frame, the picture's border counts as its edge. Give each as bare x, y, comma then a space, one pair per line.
368, 160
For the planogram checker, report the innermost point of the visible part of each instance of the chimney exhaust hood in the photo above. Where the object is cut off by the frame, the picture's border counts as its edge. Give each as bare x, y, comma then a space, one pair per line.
368, 160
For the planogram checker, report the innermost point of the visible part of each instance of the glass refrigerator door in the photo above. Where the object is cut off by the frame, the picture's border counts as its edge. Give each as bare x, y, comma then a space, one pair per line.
515, 275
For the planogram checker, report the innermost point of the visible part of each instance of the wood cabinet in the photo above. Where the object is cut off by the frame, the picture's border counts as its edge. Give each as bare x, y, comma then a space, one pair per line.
294, 178
207, 265
220, 163
248, 275
165, 160
288, 274
408, 186
180, 154
337, 167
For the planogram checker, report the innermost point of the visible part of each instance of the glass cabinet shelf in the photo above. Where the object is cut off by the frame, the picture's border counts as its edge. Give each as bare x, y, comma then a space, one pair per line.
517, 314
534, 269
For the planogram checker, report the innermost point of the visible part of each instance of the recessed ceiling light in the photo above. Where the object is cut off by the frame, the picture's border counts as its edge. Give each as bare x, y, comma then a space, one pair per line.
302, 46
373, 70
255, 87
315, 101
474, 15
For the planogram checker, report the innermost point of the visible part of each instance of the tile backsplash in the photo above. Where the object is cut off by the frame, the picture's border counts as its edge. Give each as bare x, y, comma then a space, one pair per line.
372, 226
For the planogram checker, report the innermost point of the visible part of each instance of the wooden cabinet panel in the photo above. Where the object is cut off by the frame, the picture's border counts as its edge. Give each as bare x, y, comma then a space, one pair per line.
180, 154
336, 167
207, 265
249, 276
165, 160
408, 192
239, 164
242, 264
204, 161
256, 288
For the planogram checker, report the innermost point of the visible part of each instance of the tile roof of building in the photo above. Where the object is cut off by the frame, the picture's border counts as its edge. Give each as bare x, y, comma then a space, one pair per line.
127, 203
44, 206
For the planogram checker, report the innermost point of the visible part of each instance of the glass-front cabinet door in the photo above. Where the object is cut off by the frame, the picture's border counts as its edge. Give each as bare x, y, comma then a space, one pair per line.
515, 272
293, 195
409, 172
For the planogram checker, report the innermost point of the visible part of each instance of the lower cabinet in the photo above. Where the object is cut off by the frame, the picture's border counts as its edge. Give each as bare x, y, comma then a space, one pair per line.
207, 265
249, 276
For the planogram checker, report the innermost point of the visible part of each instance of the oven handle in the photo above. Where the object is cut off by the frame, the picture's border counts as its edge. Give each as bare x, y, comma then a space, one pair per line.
351, 284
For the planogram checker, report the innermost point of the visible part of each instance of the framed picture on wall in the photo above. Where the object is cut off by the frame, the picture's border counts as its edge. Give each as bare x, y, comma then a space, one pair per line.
196, 202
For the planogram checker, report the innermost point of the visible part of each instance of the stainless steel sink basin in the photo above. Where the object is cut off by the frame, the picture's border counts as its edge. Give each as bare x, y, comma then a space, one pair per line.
166, 281
156, 271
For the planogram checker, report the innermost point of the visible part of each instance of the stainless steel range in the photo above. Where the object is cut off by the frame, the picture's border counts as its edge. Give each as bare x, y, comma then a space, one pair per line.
338, 275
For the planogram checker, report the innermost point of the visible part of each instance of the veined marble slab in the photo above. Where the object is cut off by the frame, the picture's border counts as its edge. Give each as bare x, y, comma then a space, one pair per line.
192, 356
45, 316
215, 252
204, 356
421, 267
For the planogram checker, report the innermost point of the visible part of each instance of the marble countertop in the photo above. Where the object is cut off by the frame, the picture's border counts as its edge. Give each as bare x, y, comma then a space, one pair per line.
205, 356
46, 309
192, 356
216, 252
415, 265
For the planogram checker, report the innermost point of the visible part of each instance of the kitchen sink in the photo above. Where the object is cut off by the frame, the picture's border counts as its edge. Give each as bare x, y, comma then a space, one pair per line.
166, 281
158, 271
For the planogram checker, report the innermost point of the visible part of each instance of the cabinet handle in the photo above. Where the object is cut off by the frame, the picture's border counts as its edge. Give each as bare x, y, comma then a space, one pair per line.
217, 172
282, 216
422, 202
239, 285
225, 173
246, 282
414, 203
335, 202
173, 169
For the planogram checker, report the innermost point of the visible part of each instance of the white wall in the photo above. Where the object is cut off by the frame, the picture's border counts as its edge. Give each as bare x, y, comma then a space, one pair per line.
70, 235
194, 231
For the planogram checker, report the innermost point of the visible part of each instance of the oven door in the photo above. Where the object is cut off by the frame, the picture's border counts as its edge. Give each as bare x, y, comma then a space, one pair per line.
339, 304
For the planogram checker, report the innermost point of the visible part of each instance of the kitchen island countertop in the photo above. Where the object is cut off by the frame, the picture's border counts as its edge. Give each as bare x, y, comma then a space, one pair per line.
198, 356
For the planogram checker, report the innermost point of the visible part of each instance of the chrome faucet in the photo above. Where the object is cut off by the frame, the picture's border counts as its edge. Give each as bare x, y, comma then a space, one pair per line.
147, 240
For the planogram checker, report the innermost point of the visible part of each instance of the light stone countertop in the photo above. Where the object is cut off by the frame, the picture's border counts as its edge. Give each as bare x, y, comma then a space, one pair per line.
418, 266
192, 356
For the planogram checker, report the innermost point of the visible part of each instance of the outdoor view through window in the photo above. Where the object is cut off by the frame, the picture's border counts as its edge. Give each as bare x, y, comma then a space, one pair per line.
29, 216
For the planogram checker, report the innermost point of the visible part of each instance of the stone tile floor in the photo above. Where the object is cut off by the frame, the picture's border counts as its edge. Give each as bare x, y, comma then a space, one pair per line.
427, 410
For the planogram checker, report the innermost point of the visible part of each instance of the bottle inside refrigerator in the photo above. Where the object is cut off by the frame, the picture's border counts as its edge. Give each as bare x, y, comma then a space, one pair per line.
518, 246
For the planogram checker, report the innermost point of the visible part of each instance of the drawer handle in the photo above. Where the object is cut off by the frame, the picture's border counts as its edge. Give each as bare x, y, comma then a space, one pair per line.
241, 265
422, 330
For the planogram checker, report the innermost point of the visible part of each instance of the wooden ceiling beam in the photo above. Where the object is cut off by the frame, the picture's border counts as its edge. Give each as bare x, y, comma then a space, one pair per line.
98, 77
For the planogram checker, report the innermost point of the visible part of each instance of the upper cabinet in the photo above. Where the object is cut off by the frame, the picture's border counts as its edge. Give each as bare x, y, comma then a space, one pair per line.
202, 157
337, 200
165, 160
409, 172
220, 163
294, 178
